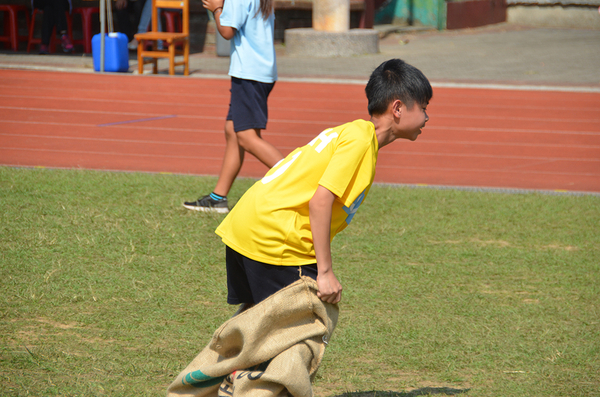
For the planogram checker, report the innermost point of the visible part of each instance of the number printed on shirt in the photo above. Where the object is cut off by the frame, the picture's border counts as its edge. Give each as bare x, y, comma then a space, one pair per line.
324, 140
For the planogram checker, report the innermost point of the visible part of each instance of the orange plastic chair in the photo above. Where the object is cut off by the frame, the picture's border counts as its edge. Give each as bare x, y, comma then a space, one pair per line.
170, 40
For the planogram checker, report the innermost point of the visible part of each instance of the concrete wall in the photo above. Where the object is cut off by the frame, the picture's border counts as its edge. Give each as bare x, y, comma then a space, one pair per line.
581, 14
568, 16
474, 13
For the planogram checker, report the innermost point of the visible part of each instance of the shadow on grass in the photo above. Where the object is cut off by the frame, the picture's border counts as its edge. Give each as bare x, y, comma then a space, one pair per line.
425, 391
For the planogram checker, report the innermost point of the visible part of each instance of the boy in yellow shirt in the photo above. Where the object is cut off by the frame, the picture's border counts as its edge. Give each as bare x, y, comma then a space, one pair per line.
284, 224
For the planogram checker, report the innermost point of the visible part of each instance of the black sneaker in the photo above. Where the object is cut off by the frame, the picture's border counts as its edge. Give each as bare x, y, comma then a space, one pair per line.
208, 204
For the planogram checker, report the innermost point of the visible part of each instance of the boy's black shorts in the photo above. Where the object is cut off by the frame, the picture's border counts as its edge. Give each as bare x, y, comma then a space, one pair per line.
248, 104
249, 281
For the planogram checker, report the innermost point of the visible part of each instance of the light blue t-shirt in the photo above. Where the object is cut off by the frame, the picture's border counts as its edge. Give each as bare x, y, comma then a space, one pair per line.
252, 50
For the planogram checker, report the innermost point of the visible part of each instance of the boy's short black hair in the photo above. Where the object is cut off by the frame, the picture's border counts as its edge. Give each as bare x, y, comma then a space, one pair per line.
396, 79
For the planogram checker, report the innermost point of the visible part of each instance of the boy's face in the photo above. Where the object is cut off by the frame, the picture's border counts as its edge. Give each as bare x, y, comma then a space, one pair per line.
411, 120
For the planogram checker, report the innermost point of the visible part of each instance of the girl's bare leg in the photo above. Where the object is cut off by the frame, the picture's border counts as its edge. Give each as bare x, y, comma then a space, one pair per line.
232, 162
236, 145
253, 143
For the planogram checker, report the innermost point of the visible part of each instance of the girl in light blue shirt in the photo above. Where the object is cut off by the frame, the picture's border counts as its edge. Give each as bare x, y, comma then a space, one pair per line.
249, 24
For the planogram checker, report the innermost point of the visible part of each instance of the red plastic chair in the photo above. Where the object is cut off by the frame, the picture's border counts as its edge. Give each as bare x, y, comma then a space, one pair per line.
86, 26
11, 27
173, 23
173, 20
37, 40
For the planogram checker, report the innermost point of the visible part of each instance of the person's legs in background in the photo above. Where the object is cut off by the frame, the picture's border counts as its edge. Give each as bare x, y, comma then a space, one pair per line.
62, 7
54, 16
123, 11
145, 21
47, 24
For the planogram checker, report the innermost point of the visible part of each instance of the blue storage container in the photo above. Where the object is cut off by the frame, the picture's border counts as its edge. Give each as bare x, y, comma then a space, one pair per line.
116, 54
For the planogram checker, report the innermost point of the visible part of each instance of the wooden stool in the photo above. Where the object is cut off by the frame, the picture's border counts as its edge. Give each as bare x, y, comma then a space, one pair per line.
34, 40
170, 39
86, 26
11, 26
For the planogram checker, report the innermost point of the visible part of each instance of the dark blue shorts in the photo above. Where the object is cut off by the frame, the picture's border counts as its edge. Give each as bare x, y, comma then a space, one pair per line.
248, 104
249, 281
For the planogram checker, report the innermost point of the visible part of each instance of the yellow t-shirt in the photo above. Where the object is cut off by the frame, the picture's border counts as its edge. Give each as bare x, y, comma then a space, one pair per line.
270, 223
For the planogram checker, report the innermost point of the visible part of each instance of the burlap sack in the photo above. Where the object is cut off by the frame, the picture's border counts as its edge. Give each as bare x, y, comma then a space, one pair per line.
270, 350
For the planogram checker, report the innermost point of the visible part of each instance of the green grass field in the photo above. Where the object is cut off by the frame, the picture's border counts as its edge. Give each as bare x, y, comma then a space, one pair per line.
110, 288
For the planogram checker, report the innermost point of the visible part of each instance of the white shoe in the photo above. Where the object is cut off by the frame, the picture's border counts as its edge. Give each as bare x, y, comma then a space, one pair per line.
133, 45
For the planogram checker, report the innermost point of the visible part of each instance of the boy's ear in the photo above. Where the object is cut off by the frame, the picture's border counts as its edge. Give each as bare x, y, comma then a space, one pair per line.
397, 108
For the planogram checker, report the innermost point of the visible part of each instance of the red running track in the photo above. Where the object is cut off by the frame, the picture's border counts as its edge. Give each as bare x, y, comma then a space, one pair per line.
546, 140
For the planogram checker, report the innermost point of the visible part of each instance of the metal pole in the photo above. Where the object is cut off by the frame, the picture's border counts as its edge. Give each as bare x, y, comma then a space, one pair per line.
102, 30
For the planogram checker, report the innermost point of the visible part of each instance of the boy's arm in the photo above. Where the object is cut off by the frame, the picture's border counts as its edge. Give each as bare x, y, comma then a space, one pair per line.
216, 7
320, 209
